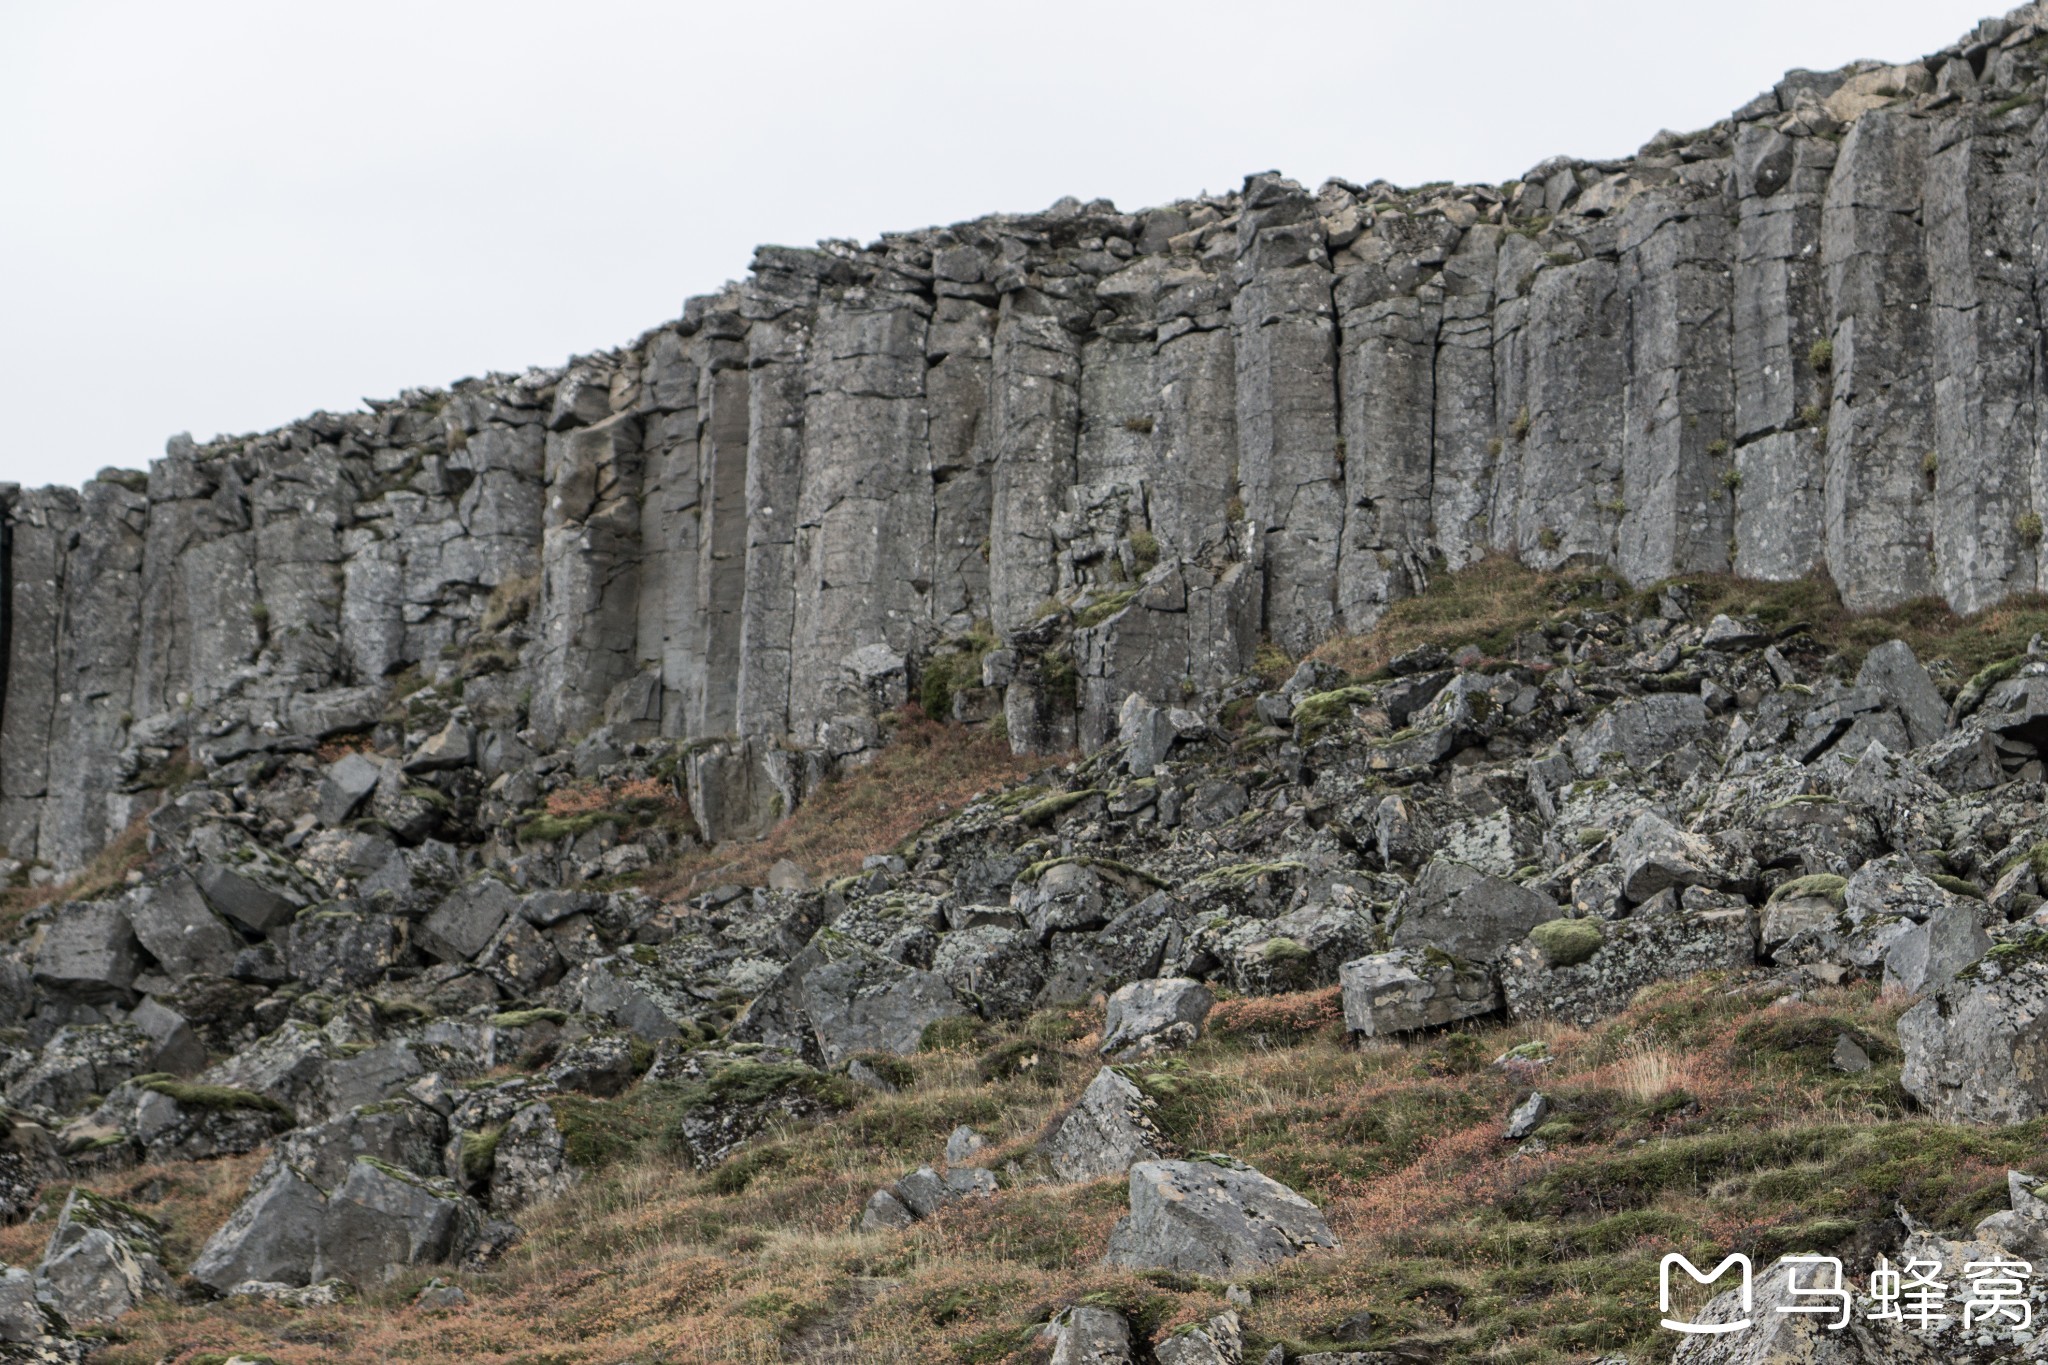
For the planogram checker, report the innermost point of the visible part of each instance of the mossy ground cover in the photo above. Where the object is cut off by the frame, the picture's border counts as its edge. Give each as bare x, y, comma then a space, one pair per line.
1700, 1120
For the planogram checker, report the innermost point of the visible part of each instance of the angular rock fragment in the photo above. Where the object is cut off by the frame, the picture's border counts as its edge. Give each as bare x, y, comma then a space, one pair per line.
1216, 1217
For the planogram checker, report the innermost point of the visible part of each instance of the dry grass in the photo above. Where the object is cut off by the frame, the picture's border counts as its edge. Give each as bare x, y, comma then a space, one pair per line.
925, 771
106, 874
1697, 1120
1491, 602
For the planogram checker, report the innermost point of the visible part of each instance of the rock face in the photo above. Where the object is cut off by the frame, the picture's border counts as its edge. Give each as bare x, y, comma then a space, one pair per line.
1769, 346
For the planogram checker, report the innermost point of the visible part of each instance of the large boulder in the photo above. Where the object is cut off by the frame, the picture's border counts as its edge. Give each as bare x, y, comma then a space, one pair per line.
1109, 1130
180, 930
89, 950
270, 1238
104, 1259
382, 1219
1216, 1217
1466, 913
861, 1001
1165, 1011
1893, 672
1410, 989
1977, 1050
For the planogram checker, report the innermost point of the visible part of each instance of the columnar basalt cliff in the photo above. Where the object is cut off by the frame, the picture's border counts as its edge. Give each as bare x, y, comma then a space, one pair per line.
1088, 452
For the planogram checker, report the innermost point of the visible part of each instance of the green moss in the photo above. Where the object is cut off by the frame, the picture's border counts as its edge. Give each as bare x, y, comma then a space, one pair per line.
548, 829
2009, 956
1280, 948
1821, 356
1957, 885
219, 1098
479, 1153
1104, 607
1823, 884
1047, 809
528, 1018
1243, 874
1317, 712
1568, 942
1984, 679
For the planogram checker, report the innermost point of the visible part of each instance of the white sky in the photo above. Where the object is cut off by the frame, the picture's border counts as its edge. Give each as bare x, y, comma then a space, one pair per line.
221, 216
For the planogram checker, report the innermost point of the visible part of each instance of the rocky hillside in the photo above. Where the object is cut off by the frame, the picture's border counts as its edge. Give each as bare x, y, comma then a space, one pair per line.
1328, 1019
1027, 465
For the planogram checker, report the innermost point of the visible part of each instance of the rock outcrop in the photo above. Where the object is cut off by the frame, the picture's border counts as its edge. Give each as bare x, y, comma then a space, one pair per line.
1026, 466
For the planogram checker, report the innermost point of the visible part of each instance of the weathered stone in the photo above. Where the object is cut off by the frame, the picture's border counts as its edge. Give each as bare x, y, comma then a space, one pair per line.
1139, 1015
1215, 1217
1975, 1051
1464, 912
1106, 1132
103, 1260
1410, 989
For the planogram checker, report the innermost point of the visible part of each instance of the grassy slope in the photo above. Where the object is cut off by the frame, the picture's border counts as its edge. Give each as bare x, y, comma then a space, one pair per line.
1701, 1120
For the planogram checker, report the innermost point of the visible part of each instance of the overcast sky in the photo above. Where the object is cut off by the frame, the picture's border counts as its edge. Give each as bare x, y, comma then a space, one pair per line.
219, 217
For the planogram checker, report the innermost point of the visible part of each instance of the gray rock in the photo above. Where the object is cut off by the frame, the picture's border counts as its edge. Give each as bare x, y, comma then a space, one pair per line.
1109, 1130
1219, 1341
1897, 676
178, 1048
1926, 957
1215, 1217
103, 1260
271, 1237
1139, 1015
1527, 1117
1664, 940
90, 950
1409, 989
885, 1213
1655, 854
22, 1319
467, 919
176, 926
961, 1145
348, 782
925, 1191
453, 746
862, 1002
1083, 1335
1975, 1051
243, 899
1464, 912
379, 1221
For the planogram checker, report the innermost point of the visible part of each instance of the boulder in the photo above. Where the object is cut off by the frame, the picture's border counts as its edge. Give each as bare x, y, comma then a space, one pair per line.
995, 971
348, 782
1926, 957
381, 1219
176, 1046
1065, 897
1108, 1131
1895, 675
1977, 1049
23, 1320
89, 950
1085, 1335
464, 923
271, 1237
1464, 912
925, 1191
1409, 989
884, 1212
243, 899
103, 1260
1144, 1015
1216, 1217
1219, 1341
1654, 854
79, 1062
863, 1002
529, 1162
179, 929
